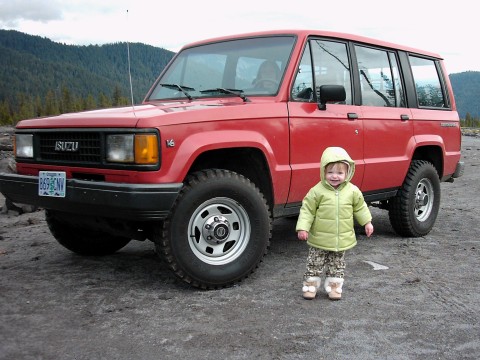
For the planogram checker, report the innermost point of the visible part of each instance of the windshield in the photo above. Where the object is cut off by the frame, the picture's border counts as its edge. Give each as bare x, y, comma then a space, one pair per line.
243, 67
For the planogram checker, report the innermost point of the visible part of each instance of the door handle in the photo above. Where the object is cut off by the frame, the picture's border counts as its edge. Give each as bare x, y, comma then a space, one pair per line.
352, 116
404, 117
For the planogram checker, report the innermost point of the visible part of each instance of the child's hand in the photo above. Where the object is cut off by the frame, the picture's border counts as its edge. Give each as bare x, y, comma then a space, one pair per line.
302, 235
369, 229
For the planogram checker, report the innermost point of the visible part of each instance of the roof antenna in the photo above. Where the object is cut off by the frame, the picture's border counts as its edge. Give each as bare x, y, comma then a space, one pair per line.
129, 72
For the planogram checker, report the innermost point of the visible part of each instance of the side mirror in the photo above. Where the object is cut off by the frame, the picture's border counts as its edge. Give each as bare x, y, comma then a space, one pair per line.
331, 93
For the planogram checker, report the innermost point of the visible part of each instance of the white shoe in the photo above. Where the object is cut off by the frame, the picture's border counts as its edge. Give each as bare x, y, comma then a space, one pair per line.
333, 287
310, 287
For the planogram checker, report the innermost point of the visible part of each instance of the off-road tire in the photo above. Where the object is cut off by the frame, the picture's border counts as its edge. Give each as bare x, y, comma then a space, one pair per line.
218, 230
414, 209
81, 239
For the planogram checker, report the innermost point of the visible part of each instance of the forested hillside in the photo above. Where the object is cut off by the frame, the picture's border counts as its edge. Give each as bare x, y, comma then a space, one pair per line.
40, 77
466, 86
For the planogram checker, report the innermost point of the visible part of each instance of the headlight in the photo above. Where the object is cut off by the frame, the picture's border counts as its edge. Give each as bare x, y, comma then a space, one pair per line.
24, 145
131, 148
120, 148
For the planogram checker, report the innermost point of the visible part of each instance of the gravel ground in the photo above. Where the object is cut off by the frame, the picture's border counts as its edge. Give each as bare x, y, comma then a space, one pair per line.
423, 302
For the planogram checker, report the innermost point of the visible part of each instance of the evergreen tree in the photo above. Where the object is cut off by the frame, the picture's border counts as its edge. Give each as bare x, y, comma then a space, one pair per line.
104, 101
117, 98
38, 107
51, 104
468, 120
476, 122
78, 103
5, 116
90, 103
26, 108
67, 104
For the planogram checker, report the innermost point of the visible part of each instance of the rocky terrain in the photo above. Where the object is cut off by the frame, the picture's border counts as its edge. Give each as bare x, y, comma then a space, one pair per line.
404, 298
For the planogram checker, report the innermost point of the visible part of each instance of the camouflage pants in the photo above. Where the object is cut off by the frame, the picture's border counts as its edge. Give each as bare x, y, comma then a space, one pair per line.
318, 259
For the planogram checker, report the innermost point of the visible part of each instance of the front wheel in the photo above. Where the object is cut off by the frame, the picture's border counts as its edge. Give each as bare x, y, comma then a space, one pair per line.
218, 230
414, 209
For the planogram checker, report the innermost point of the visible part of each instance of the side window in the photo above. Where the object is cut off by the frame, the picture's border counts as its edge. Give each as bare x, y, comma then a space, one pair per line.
330, 67
427, 83
303, 85
380, 80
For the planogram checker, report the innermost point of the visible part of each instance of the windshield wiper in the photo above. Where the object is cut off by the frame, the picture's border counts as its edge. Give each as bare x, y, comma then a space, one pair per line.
236, 92
183, 89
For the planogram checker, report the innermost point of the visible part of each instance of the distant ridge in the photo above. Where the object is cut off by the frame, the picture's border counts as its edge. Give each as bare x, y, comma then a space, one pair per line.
34, 65
466, 87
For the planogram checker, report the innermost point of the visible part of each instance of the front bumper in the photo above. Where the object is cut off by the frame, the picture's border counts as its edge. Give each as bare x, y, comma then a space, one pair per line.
137, 202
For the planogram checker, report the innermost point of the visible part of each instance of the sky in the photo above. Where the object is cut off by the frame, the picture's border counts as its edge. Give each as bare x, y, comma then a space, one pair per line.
446, 28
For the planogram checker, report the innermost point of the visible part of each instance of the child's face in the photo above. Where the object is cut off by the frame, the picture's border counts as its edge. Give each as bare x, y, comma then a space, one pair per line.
336, 173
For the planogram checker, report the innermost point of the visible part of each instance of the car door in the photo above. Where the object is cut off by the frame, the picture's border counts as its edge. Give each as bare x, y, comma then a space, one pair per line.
324, 62
387, 121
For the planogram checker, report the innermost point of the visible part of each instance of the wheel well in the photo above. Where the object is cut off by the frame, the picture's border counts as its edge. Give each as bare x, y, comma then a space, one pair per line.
249, 162
432, 154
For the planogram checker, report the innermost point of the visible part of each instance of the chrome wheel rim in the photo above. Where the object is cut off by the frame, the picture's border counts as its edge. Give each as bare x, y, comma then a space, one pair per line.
424, 198
219, 231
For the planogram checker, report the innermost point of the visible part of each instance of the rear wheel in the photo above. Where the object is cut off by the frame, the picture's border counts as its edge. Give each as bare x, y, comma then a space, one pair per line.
218, 230
82, 239
415, 208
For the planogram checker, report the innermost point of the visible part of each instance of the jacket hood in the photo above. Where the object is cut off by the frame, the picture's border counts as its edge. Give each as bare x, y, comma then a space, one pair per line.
336, 154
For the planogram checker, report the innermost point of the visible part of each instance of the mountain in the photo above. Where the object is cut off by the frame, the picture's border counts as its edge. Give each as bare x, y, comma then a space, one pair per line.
33, 66
466, 87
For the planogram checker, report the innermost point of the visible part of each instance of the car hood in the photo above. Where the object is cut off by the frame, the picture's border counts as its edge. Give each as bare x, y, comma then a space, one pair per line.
146, 115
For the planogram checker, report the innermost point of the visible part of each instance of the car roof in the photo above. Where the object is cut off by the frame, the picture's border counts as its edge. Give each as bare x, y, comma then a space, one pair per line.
305, 33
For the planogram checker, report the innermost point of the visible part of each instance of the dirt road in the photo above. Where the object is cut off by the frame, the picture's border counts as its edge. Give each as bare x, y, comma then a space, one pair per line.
423, 302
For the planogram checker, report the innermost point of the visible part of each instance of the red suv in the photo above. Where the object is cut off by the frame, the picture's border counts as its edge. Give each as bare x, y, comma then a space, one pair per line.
230, 137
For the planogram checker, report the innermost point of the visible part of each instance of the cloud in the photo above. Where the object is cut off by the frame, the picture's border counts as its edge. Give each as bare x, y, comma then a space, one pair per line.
172, 24
12, 12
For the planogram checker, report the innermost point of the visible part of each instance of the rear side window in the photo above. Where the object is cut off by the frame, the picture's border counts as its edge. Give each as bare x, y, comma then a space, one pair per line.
427, 83
380, 80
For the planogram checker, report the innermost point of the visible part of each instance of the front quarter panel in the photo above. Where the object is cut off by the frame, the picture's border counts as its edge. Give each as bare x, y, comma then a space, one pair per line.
258, 129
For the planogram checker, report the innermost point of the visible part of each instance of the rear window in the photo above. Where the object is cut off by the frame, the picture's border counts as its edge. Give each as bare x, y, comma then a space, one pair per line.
427, 83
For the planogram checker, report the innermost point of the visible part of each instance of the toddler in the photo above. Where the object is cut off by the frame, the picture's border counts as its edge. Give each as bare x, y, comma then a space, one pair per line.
326, 221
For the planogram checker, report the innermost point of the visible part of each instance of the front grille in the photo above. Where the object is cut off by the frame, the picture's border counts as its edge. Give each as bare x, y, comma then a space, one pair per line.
80, 147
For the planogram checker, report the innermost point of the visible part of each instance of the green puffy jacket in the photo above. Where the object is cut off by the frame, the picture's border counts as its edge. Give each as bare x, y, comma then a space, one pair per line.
327, 213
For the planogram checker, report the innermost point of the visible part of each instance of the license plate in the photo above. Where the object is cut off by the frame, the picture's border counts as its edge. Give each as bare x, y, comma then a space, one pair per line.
52, 183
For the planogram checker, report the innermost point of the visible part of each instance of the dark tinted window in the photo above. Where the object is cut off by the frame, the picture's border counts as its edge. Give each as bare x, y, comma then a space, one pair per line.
427, 83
